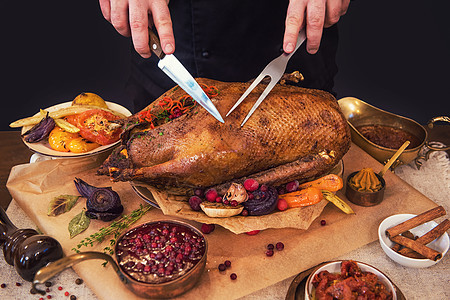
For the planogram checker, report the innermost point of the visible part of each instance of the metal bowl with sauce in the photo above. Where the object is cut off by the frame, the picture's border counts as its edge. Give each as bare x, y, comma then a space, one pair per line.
380, 133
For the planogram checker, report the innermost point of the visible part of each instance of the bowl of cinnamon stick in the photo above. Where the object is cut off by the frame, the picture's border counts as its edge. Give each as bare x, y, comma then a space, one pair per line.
415, 241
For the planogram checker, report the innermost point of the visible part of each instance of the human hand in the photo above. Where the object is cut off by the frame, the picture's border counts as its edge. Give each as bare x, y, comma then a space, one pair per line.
315, 14
134, 17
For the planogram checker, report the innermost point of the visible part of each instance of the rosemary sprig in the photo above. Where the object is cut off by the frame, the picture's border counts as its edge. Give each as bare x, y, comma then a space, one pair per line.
114, 229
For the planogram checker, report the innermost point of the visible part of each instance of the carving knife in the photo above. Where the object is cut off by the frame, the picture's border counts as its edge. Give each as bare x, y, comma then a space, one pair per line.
170, 65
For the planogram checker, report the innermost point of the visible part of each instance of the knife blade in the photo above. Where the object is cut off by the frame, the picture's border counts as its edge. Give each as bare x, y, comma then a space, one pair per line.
170, 65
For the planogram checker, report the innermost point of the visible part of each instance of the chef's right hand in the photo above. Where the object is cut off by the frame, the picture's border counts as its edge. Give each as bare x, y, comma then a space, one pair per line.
134, 17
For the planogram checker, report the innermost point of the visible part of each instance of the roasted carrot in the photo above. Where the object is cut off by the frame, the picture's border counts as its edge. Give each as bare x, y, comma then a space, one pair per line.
303, 197
330, 182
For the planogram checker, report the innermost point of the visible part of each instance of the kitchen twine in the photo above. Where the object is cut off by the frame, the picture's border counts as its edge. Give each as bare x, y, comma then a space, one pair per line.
434, 171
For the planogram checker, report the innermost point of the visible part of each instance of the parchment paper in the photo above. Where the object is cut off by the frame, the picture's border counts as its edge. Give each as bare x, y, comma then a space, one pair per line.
33, 185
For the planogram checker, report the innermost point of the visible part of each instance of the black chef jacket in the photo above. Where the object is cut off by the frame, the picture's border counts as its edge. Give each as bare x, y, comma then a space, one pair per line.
231, 40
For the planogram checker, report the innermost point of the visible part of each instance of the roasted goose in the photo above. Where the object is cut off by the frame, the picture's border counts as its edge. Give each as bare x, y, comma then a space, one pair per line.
296, 133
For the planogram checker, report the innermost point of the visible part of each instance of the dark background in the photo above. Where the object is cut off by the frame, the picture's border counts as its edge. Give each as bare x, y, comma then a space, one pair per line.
392, 54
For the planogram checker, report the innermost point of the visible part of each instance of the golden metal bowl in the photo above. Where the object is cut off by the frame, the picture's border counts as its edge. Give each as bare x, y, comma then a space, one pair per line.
364, 198
360, 113
163, 290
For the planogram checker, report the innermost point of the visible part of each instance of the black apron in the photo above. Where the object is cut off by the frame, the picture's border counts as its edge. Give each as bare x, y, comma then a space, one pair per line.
231, 40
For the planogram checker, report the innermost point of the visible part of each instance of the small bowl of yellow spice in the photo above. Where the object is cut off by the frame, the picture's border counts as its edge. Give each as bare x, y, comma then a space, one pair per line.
365, 187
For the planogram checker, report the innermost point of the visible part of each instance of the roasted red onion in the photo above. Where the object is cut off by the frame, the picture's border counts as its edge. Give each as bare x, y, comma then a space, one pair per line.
40, 131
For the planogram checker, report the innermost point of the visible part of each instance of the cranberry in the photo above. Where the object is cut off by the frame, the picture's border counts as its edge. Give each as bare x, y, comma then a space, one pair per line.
227, 263
292, 186
218, 199
251, 184
270, 247
264, 188
253, 232
282, 204
222, 267
251, 196
323, 222
60, 288
233, 276
199, 193
207, 228
194, 202
234, 203
66, 294
279, 246
211, 195
269, 253
226, 202
244, 212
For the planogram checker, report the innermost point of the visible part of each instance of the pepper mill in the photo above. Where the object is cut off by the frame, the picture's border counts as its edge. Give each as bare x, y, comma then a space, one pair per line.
26, 249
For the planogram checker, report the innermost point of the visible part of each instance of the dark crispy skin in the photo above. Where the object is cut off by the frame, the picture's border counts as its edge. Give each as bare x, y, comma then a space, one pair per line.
282, 139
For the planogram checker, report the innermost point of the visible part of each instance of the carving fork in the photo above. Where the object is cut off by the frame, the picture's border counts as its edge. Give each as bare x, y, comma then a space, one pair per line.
275, 69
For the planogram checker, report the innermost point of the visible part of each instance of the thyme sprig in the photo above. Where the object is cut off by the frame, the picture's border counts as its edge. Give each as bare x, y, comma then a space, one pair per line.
114, 229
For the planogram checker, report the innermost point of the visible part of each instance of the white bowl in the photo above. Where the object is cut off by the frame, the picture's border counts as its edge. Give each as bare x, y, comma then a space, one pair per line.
441, 244
335, 267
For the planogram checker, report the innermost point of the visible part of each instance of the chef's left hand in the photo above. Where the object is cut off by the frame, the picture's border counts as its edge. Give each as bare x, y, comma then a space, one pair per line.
315, 15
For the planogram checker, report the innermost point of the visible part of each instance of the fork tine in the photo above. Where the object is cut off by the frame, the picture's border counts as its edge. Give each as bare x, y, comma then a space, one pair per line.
260, 99
249, 89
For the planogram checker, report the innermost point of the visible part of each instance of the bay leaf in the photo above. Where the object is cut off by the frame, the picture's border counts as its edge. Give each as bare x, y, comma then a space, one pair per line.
78, 224
61, 204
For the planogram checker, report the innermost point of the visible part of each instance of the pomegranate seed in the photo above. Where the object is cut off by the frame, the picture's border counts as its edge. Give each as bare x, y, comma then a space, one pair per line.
233, 276
279, 246
269, 253
323, 222
251, 184
211, 195
282, 204
194, 203
207, 228
292, 186
222, 267
227, 263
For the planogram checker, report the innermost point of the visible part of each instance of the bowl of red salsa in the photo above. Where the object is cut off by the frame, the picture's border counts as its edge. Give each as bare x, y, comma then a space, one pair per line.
348, 279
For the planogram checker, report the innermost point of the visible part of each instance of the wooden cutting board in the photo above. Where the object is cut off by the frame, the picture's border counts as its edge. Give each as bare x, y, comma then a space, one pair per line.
34, 185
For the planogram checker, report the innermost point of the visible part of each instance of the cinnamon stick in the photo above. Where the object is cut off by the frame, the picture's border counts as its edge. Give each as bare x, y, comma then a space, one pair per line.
418, 247
415, 221
428, 237
409, 235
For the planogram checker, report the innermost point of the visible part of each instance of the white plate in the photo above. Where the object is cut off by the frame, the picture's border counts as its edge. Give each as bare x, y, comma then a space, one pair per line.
43, 147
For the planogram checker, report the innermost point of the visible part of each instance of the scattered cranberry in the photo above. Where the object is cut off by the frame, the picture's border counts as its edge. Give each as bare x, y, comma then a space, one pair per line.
292, 186
194, 202
323, 222
244, 212
211, 195
269, 253
264, 188
66, 294
279, 246
207, 228
233, 276
49, 296
234, 203
48, 284
41, 298
253, 232
226, 202
18, 284
227, 263
60, 288
282, 204
3, 285
218, 199
270, 247
47, 290
78, 281
222, 267
251, 184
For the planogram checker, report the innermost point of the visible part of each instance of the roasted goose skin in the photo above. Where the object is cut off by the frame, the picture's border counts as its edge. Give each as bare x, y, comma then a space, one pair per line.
295, 132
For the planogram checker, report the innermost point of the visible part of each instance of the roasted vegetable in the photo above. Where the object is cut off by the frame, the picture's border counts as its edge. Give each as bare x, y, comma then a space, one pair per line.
330, 182
262, 202
102, 203
59, 139
219, 210
338, 202
40, 131
304, 197
89, 99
